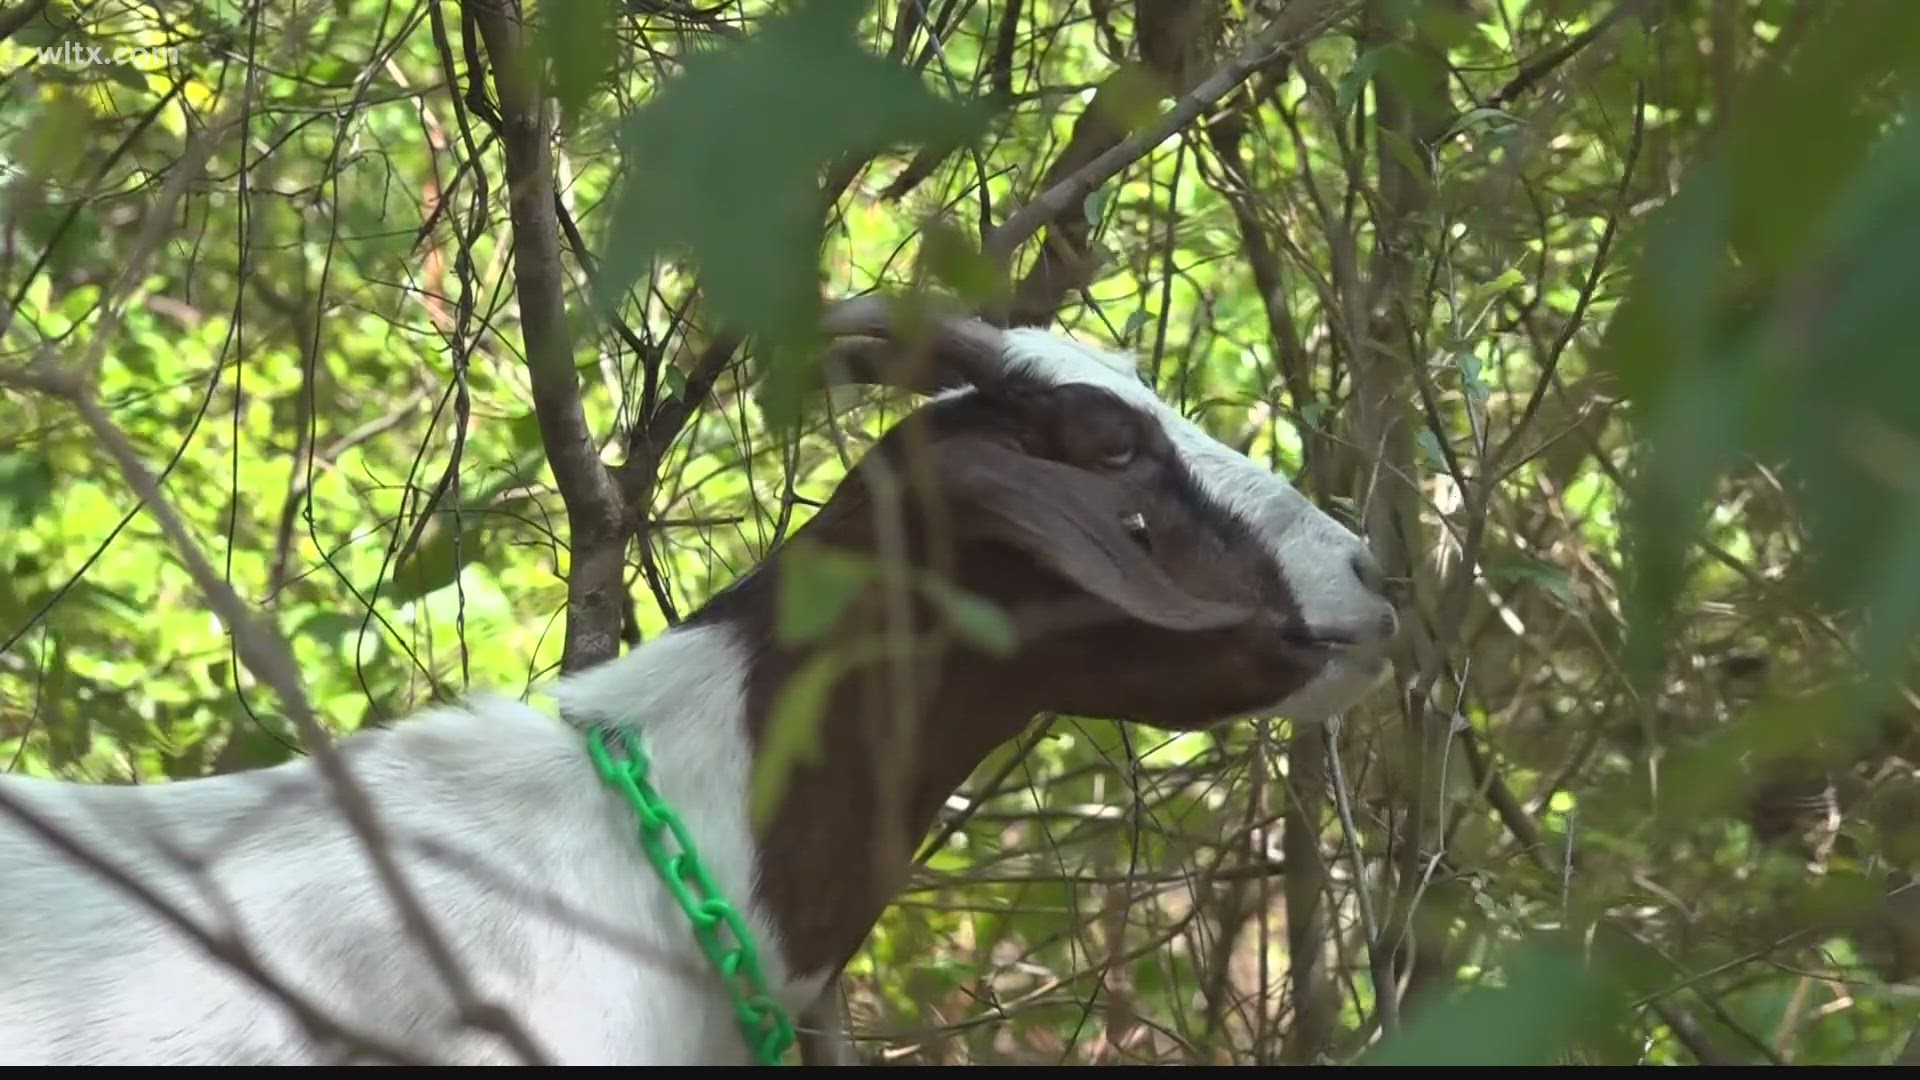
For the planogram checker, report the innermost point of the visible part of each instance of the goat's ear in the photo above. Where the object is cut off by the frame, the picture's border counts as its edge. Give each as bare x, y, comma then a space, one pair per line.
1073, 523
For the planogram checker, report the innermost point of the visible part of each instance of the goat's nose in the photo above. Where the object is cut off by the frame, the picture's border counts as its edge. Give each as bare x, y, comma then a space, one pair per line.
1367, 569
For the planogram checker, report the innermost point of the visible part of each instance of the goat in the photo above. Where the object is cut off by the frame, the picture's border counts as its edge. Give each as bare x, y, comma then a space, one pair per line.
1151, 574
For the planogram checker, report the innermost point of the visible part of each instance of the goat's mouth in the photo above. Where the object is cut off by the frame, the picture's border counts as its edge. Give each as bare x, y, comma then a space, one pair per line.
1305, 638
1335, 648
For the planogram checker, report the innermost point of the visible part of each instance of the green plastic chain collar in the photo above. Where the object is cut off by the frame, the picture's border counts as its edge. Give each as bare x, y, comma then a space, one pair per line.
763, 1022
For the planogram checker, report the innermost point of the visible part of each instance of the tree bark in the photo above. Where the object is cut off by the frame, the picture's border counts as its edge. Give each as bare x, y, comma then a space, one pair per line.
596, 512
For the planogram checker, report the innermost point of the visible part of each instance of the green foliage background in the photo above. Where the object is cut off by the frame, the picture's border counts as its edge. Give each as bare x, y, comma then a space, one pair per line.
1592, 313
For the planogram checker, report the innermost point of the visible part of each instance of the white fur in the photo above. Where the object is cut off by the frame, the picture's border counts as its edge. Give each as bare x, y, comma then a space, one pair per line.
87, 976
1313, 551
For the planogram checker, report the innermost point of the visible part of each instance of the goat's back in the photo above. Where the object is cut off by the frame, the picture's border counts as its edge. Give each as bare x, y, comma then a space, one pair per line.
524, 861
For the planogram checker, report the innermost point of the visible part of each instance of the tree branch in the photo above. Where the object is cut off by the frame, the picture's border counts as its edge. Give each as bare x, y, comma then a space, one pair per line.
596, 512
1539, 67
1294, 22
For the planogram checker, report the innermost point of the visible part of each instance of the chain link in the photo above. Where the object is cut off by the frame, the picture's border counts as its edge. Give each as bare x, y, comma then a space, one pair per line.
764, 1023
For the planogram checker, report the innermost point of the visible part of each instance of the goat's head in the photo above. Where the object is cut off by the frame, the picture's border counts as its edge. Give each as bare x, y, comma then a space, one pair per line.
1156, 575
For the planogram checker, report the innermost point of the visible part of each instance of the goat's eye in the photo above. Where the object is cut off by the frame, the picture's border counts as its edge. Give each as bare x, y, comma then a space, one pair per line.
1118, 457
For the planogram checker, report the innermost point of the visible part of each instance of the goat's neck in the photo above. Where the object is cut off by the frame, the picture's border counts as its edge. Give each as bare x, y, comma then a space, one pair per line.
838, 847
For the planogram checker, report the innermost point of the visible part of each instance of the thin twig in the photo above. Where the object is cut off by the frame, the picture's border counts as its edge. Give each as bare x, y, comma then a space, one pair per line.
1296, 20
1379, 960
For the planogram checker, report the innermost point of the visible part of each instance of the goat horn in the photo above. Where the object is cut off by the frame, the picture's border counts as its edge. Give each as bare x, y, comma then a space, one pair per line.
883, 341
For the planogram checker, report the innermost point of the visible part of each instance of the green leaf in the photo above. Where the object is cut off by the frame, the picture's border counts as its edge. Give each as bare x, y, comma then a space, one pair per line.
1130, 97
1804, 125
1692, 430
722, 165
1837, 389
952, 258
1674, 293
577, 40
40, 37
793, 728
1094, 205
55, 141
1416, 76
1548, 1002
526, 432
431, 566
48, 27
127, 75
1769, 317
1552, 578
78, 303
1442, 26
253, 747
1430, 448
1403, 150
1803, 129
449, 540
26, 487
976, 619
1469, 365
1488, 291
673, 383
1348, 90
69, 240
335, 629
817, 585
1483, 115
